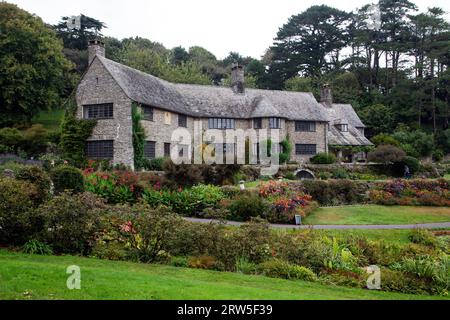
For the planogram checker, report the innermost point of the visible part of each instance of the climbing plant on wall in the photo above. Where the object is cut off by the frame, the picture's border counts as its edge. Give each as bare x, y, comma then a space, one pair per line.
138, 137
74, 133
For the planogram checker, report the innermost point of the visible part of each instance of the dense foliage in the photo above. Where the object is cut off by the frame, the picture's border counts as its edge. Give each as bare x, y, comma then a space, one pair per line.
33, 70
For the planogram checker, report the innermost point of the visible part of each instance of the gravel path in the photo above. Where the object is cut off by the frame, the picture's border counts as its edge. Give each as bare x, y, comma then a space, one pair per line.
338, 227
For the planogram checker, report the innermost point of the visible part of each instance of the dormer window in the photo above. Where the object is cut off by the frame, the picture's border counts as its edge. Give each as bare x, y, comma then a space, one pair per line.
344, 127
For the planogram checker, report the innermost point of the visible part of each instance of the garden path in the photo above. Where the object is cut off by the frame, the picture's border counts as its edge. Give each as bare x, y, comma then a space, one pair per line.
336, 227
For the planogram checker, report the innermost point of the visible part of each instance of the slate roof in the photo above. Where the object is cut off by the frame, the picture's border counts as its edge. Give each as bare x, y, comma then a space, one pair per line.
214, 101
345, 114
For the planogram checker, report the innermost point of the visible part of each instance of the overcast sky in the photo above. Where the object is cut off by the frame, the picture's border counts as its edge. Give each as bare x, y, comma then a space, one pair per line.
219, 26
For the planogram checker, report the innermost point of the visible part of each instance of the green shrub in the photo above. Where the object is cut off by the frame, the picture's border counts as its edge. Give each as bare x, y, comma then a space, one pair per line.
285, 156
335, 192
72, 221
182, 175
38, 177
74, 133
154, 164
67, 178
323, 158
342, 278
37, 247
222, 174
112, 250
35, 140
386, 154
179, 262
422, 236
290, 176
276, 268
385, 139
245, 267
438, 155
18, 219
150, 232
247, 206
340, 174
412, 163
398, 281
11, 138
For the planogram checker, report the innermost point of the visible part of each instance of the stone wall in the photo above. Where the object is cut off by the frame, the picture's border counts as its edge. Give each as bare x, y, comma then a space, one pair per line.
98, 86
319, 138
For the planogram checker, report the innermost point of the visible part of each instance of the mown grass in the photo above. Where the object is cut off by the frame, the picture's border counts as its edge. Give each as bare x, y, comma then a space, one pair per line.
44, 277
377, 215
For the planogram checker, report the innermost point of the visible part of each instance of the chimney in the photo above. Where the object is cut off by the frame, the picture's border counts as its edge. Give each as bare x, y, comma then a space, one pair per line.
95, 48
237, 78
326, 95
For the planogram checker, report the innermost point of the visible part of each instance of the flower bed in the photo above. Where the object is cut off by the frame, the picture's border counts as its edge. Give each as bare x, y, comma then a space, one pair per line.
412, 193
286, 201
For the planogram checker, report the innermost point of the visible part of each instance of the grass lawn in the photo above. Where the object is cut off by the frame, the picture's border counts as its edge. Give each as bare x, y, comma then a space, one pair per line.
373, 214
447, 176
50, 119
44, 277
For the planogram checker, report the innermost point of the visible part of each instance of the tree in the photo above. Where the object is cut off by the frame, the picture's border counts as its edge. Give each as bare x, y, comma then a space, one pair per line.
310, 43
378, 119
33, 68
386, 154
299, 84
178, 55
77, 37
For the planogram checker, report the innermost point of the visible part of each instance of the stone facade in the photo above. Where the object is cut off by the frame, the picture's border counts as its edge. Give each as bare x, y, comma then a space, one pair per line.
96, 87
107, 82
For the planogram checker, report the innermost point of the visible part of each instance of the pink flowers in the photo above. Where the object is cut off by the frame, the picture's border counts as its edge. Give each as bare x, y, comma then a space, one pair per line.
128, 227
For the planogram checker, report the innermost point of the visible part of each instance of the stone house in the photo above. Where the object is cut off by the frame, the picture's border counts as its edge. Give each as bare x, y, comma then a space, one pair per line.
108, 90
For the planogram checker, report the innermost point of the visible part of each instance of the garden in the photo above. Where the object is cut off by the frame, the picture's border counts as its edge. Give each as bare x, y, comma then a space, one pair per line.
122, 215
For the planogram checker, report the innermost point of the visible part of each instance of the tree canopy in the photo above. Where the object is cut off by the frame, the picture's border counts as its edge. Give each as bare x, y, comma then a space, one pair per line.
32, 66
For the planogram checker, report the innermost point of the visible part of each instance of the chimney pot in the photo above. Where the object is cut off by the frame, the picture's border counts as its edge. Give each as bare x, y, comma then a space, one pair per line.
326, 95
237, 78
95, 48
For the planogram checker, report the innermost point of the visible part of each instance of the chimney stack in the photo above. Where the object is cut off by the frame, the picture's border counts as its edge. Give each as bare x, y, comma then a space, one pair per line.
95, 48
237, 78
326, 95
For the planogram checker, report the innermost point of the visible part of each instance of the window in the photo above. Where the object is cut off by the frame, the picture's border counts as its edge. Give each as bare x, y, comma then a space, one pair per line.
221, 123
150, 150
305, 149
103, 149
344, 127
274, 123
166, 149
305, 126
148, 113
257, 123
182, 121
98, 111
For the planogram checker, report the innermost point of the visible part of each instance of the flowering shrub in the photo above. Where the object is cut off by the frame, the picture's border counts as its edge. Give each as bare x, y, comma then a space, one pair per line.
116, 187
287, 201
412, 193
